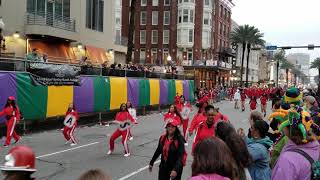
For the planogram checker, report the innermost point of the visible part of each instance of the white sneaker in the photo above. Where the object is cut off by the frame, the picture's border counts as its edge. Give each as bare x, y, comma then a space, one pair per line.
186, 144
127, 155
73, 144
131, 138
67, 142
109, 152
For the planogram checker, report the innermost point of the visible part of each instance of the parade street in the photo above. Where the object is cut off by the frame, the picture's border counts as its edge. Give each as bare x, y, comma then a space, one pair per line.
58, 161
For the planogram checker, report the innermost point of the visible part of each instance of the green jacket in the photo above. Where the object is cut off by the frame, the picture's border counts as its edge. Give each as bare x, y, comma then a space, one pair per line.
277, 148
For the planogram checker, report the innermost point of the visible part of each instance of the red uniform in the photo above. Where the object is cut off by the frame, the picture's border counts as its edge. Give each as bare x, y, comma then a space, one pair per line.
203, 132
121, 117
12, 117
263, 100
177, 99
197, 119
68, 132
168, 116
185, 122
253, 104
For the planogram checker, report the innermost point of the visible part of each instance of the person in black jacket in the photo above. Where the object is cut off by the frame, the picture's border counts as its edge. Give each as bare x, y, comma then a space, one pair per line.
171, 148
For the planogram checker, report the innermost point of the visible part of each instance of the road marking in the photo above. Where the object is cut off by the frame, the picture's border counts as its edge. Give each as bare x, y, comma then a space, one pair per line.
78, 147
137, 171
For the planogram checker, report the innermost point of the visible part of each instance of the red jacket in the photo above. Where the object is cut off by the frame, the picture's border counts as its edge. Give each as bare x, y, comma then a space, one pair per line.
263, 100
204, 99
171, 116
123, 116
177, 100
9, 112
197, 119
203, 132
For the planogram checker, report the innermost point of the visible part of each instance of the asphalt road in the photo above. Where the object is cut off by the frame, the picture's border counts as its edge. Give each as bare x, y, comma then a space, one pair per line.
57, 161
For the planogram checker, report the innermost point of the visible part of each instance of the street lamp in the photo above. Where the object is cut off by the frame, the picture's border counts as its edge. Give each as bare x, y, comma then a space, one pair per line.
2, 40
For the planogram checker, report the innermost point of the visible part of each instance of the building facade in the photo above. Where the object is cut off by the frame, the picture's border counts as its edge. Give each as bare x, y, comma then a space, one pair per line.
65, 30
300, 59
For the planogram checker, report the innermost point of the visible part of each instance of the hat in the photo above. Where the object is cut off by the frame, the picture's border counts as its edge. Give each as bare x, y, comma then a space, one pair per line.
19, 158
12, 98
292, 96
173, 122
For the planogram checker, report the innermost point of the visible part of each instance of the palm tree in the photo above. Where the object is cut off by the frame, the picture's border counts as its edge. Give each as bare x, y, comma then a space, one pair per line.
254, 39
287, 66
240, 36
279, 57
131, 30
316, 65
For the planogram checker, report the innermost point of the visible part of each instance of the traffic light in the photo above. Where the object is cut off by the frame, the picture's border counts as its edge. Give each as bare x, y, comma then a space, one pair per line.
310, 46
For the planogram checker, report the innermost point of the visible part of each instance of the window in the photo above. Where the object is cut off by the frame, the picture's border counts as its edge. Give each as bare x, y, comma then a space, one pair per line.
221, 27
225, 13
190, 55
155, 2
166, 36
154, 37
142, 37
180, 16
167, 2
94, 15
179, 35
206, 18
154, 17
185, 15
206, 37
191, 16
190, 35
165, 55
154, 55
221, 11
207, 2
142, 55
143, 18
143, 2
166, 18
118, 17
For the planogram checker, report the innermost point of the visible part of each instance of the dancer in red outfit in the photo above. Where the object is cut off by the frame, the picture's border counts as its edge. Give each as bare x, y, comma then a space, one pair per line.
125, 120
263, 100
177, 99
12, 112
184, 108
253, 103
197, 119
70, 124
173, 113
206, 128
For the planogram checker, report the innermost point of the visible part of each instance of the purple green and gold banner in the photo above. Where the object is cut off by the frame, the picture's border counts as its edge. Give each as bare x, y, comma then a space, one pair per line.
95, 94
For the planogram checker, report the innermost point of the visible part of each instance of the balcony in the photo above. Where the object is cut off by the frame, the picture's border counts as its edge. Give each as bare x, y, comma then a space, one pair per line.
226, 52
52, 25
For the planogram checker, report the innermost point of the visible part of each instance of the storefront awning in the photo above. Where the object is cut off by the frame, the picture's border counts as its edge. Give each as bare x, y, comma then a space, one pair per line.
96, 55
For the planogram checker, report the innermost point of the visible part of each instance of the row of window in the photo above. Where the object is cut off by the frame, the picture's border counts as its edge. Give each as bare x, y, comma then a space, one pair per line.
182, 1
154, 55
155, 2
185, 36
154, 37
155, 18
224, 30
185, 16
224, 13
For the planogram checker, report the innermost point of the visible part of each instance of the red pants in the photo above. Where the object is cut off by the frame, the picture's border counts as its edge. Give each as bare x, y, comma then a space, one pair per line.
69, 133
11, 123
185, 127
125, 137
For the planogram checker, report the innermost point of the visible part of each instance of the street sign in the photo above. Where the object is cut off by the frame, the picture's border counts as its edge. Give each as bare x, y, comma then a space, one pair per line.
271, 48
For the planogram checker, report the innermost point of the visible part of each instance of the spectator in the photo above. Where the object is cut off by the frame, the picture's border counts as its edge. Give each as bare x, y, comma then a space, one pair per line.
213, 160
94, 174
258, 147
293, 165
44, 58
33, 55
20, 163
238, 147
171, 149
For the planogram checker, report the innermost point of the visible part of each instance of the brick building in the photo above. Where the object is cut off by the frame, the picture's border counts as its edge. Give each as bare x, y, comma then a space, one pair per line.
189, 31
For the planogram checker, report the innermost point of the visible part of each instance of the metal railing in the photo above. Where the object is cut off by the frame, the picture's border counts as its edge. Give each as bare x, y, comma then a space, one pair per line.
48, 19
20, 64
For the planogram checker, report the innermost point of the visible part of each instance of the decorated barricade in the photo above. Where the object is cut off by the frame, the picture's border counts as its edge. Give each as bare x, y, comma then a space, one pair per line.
95, 94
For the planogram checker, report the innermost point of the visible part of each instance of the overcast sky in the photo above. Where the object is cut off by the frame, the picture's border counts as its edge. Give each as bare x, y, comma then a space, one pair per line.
284, 22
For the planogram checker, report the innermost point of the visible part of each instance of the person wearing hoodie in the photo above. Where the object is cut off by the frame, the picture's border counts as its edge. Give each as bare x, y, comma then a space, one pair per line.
213, 161
292, 165
226, 132
258, 147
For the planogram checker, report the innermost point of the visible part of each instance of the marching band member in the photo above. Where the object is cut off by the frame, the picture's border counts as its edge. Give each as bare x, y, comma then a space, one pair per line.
173, 113
197, 119
184, 109
263, 100
177, 99
125, 120
132, 111
70, 124
12, 112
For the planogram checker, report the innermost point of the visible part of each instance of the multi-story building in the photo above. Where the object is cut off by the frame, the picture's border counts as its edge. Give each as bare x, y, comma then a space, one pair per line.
65, 30
188, 32
300, 59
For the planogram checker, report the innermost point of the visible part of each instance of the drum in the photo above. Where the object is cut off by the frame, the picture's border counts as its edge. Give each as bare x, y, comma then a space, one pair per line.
70, 120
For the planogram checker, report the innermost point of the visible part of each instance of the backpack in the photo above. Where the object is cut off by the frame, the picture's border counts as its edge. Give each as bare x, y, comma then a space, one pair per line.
315, 165
176, 143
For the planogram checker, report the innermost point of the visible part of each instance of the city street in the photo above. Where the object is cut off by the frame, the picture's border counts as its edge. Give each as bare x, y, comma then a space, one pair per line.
58, 161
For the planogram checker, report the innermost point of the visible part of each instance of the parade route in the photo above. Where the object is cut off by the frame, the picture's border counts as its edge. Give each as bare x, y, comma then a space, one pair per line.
58, 161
